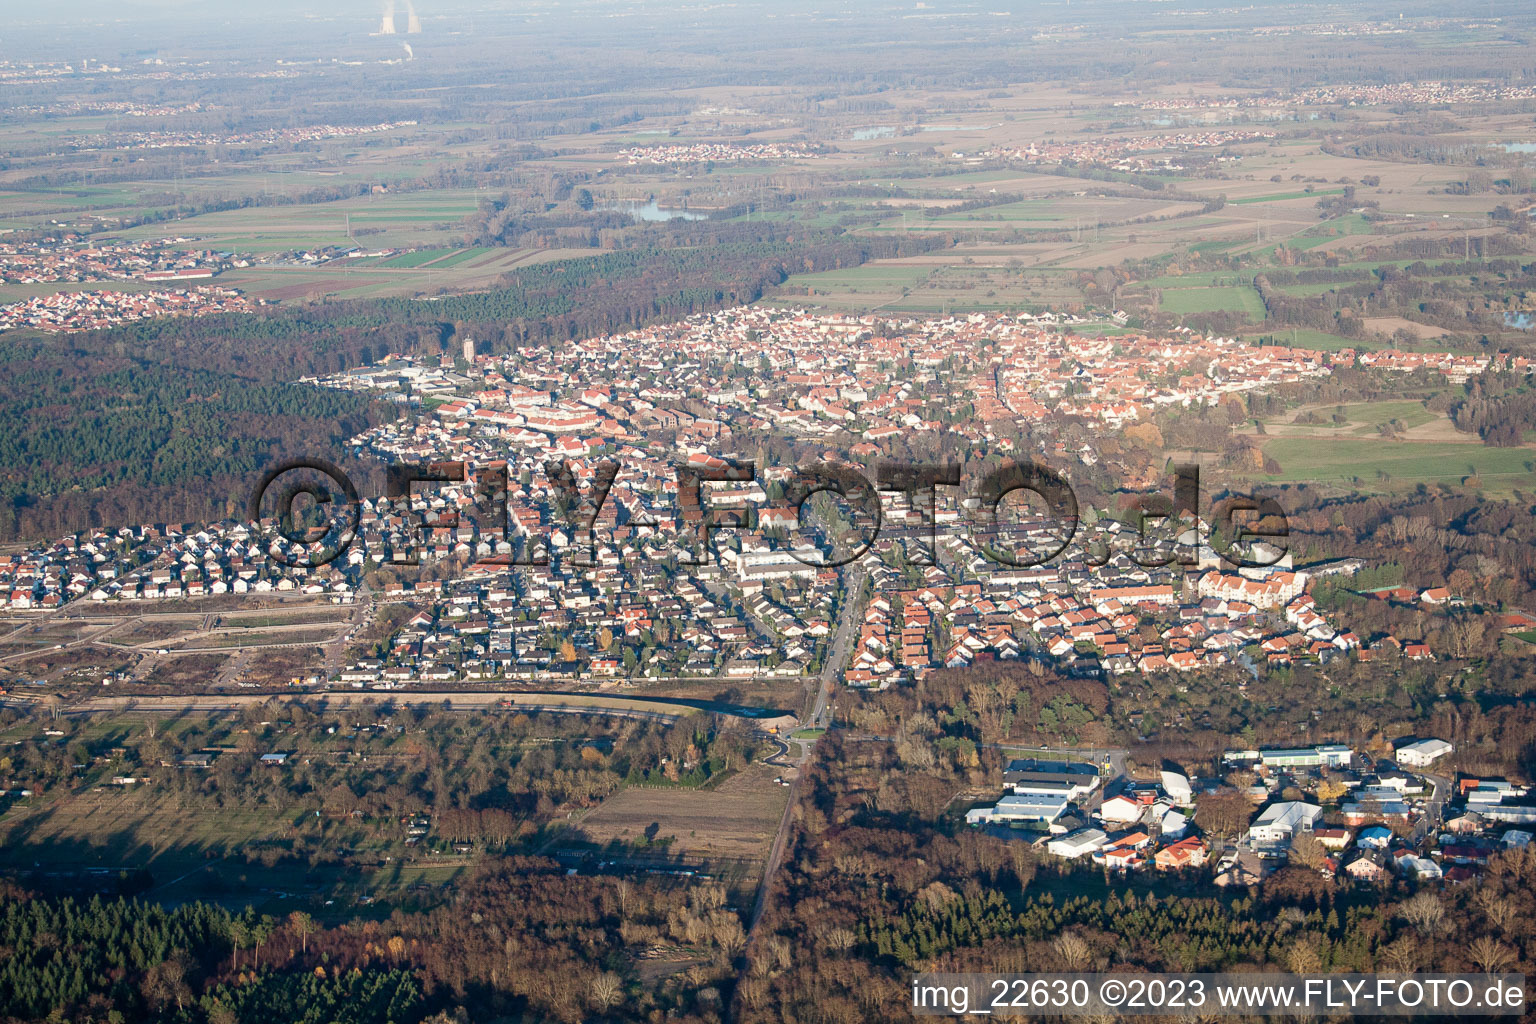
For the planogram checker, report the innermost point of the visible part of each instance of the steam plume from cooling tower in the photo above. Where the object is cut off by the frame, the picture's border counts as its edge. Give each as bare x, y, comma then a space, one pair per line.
387, 28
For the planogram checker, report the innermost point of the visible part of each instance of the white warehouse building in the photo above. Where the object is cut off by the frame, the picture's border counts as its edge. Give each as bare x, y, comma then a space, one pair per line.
1020, 808
1281, 821
1084, 841
1422, 753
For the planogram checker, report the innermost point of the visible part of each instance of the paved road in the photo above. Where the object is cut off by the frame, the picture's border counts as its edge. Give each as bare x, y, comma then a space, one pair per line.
842, 646
782, 757
1434, 814
722, 597
836, 661
464, 700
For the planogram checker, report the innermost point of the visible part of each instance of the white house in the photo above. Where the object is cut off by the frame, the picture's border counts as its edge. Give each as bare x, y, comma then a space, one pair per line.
1410, 865
1423, 753
1084, 841
1173, 824
1176, 785
1120, 808
1280, 821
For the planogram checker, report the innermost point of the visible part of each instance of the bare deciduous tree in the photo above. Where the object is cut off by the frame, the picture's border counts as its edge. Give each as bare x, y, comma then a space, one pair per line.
1401, 957
841, 939
1074, 951
607, 990
1307, 851
1496, 907
1490, 954
1425, 913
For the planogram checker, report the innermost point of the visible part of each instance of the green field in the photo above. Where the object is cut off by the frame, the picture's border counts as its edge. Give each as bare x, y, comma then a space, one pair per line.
1102, 330
462, 256
1365, 418
1281, 197
874, 278
1362, 463
1027, 209
110, 826
275, 242
1203, 279
1371, 414
1218, 245
1349, 224
415, 220
979, 285
1204, 300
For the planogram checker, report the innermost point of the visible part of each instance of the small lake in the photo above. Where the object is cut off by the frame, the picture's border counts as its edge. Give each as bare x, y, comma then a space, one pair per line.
651, 212
879, 131
1521, 321
1517, 147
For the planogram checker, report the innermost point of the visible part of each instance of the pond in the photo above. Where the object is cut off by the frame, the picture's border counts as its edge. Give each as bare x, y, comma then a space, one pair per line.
651, 212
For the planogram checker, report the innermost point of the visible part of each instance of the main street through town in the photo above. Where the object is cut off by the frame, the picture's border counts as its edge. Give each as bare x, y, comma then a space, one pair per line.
818, 718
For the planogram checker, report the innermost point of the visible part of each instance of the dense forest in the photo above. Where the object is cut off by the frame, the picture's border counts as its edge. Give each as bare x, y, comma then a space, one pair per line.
521, 940
1498, 408
107, 440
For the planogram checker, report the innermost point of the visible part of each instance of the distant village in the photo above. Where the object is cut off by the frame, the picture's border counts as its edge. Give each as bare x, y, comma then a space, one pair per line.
1349, 95
1117, 153
72, 258
68, 312
69, 258
714, 152
266, 137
